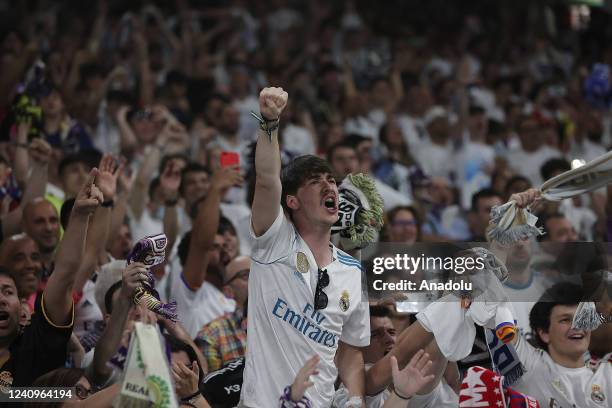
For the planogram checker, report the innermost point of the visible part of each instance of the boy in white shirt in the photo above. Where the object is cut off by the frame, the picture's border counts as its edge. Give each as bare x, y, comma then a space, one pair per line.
556, 373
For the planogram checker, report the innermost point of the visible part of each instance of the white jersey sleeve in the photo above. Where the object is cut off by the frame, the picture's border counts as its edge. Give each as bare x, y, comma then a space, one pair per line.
275, 243
356, 330
529, 355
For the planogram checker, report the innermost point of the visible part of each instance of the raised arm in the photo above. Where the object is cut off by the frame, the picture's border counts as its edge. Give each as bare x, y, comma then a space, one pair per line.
39, 152
169, 182
58, 293
205, 226
95, 248
272, 101
111, 337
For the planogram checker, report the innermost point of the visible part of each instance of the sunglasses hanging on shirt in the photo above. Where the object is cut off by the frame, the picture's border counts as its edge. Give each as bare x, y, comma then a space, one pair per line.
320, 299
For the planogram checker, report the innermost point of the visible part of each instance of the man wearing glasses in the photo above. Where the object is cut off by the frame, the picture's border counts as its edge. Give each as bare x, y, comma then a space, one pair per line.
304, 293
224, 339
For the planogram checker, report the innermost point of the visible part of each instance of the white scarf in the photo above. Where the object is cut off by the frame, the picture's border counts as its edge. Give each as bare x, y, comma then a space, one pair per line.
510, 224
146, 380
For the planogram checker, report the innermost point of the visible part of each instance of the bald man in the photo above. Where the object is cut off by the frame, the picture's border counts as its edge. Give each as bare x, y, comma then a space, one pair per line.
19, 254
224, 339
41, 222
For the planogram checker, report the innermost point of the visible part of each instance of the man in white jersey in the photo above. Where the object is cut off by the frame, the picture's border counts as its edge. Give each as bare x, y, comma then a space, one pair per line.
304, 293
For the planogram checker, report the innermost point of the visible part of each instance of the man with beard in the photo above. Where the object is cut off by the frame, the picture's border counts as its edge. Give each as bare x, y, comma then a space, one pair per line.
28, 352
224, 339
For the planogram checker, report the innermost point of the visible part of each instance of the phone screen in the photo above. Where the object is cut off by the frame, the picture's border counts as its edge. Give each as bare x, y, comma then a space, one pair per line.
229, 159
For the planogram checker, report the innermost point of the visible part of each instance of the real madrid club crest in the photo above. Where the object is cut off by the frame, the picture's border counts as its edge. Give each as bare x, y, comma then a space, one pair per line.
302, 262
344, 301
596, 394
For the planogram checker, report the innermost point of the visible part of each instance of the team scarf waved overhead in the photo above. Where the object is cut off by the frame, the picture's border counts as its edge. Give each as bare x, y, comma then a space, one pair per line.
151, 251
509, 223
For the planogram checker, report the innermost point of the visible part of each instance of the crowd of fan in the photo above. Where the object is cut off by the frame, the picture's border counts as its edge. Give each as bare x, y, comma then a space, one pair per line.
448, 124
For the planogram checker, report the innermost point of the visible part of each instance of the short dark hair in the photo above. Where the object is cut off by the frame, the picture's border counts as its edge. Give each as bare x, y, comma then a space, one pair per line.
355, 140
5, 272
89, 158
164, 161
300, 170
108, 296
484, 193
153, 185
191, 168
554, 165
225, 225
379, 311
176, 345
564, 293
515, 179
342, 144
65, 212
543, 220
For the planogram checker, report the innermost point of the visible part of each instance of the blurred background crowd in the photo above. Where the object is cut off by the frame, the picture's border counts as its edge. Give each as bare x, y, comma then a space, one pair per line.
450, 106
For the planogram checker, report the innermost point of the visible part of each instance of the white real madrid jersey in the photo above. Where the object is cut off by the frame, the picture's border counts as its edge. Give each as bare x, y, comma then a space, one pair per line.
559, 387
284, 329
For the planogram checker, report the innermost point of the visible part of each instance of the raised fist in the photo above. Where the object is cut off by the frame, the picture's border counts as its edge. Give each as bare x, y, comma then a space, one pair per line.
272, 101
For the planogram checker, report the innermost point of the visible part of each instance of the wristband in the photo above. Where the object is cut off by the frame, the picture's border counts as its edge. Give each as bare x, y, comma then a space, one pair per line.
190, 397
108, 203
267, 125
401, 396
287, 402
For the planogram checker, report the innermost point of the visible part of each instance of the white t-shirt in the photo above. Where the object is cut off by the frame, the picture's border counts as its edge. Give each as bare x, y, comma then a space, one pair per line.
297, 140
200, 307
524, 297
528, 164
87, 311
561, 387
284, 329
474, 161
436, 160
413, 130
